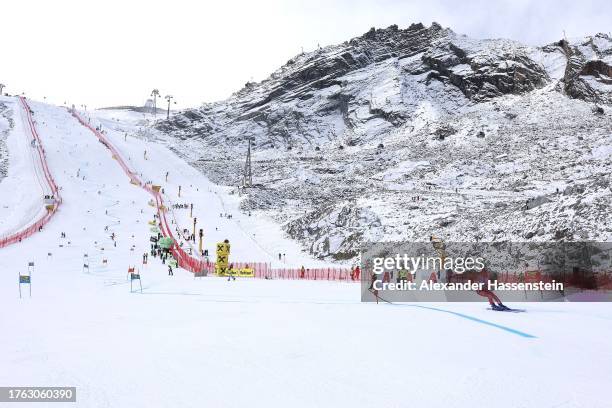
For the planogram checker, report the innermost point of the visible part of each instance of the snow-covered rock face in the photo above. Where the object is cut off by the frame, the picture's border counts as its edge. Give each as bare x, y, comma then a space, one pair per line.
588, 74
368, 85
484, 69
336, 230
401, 134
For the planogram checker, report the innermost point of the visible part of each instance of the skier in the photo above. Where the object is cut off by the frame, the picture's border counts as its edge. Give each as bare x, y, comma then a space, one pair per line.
170, 273
494, 301
230, 273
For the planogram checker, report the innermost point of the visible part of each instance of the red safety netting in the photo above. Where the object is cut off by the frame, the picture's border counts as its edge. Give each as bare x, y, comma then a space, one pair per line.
330, 274
193, 264
264, 270
604, 280
601, 279
42, 221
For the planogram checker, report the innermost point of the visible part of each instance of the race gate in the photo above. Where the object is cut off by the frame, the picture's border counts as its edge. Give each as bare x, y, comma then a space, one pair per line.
26, 279
134, 276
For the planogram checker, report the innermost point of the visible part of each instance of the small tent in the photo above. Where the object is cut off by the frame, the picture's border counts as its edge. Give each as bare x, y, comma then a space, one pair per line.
165, 242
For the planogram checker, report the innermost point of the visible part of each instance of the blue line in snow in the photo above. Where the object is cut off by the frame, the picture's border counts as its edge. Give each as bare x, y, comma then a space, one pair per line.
477, 320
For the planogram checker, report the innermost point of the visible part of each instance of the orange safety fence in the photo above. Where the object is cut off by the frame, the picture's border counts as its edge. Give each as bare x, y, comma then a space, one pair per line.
42, 221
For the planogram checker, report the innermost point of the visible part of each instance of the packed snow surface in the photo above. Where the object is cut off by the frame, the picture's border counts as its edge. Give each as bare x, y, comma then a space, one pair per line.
186, 342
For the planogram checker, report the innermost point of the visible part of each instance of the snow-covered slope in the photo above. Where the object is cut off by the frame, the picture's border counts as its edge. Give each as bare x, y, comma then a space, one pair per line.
23, 188
185, 342
405, 133
5, 126
254, 237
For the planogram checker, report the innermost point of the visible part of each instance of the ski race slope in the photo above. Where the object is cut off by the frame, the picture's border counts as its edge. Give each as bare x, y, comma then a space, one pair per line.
253, 239
186, 342
26, 181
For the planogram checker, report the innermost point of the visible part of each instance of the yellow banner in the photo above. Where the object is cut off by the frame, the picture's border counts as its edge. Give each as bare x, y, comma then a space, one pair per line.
242, 272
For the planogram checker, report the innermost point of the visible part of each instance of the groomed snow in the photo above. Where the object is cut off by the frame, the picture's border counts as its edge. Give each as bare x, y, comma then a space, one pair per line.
22, 191
188, 342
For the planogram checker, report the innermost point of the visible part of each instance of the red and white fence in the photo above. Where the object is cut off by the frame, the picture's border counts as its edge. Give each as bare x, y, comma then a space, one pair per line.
42, 221
265, 271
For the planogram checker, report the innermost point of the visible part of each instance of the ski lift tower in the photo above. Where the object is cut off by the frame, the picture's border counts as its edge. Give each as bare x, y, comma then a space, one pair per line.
247, 178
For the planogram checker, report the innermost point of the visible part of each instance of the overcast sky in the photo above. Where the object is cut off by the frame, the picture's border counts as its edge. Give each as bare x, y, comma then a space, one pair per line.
113, 52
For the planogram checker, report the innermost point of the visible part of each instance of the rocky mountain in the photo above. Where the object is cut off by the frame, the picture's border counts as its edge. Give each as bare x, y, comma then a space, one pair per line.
588, 73
405, 133
139, 109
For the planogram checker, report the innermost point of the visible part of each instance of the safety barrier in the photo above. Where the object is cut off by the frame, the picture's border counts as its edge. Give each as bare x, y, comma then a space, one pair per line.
264, 270
192, 264
329, 274
604, 280
332, 274
601, 279
42, 221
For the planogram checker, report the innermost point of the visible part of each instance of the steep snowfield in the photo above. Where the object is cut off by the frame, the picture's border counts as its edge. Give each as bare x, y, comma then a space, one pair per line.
188, 342
21, 201
6, 124
253, 238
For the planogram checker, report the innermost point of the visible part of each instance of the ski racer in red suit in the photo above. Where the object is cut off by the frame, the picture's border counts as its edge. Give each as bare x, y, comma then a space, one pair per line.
494, 301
